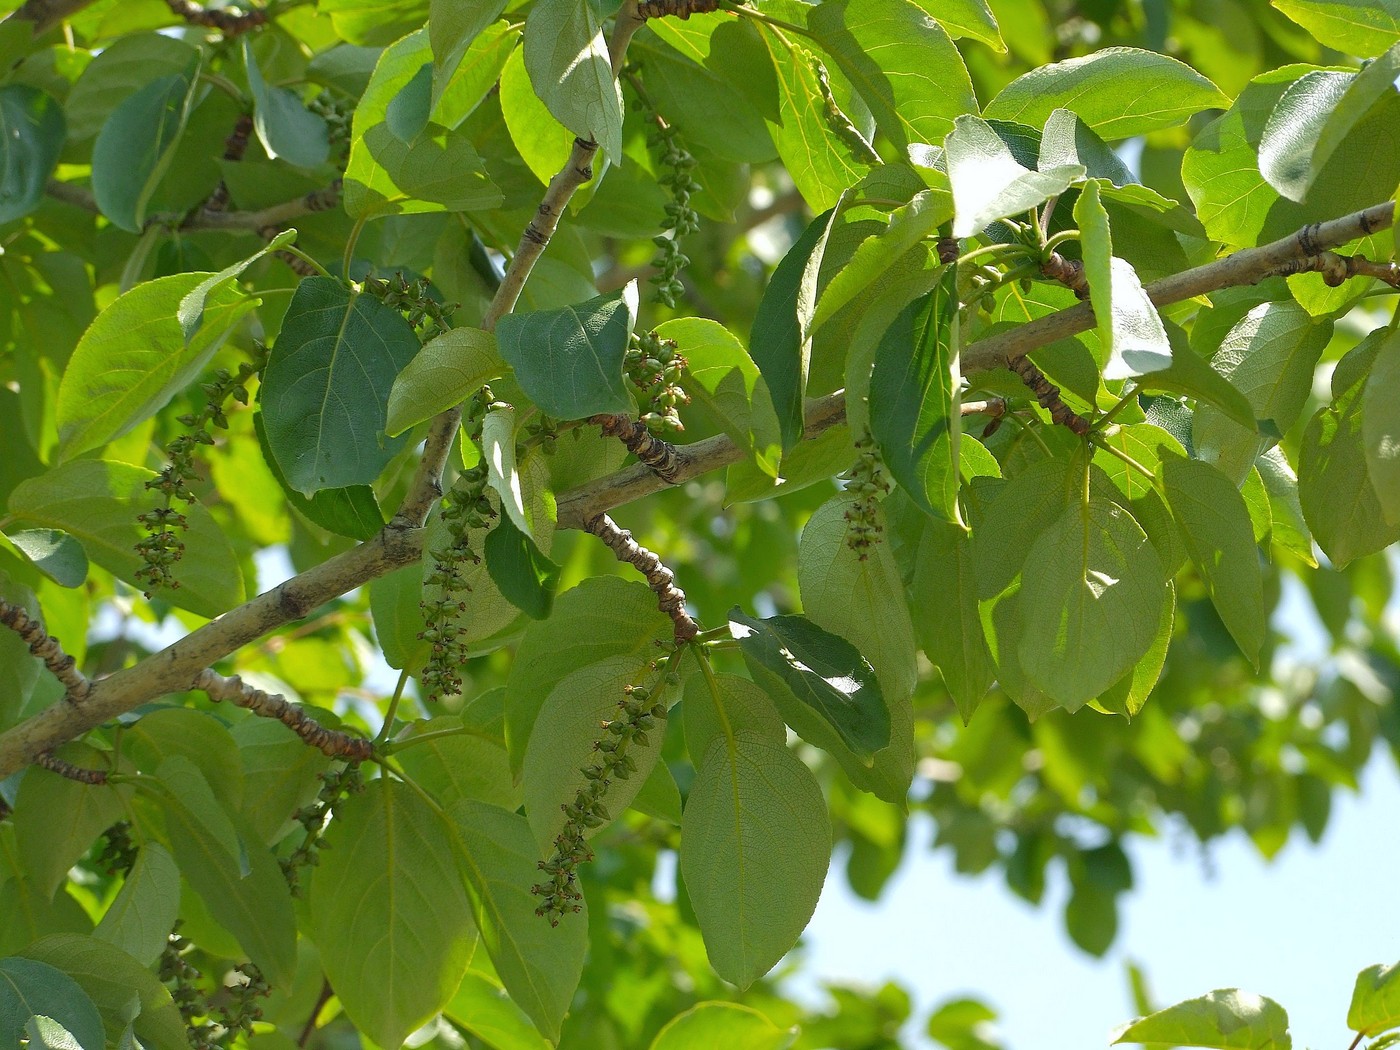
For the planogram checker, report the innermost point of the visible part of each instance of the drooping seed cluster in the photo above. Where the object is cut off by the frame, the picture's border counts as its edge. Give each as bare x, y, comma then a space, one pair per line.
463, 509
164, 544
413, 299
638, 714
212, 1022
865, 482
681, 219
337, 784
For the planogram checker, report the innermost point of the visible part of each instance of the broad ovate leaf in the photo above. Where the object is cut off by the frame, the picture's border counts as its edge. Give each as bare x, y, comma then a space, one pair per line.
567, 58
325, 393
915, 405
32, 130
449, 369
1091, 602
1375, 1001
135, 357
1119, 92
389, 912
1228, 1019
569, 361
835, 687
539, 964
755, 846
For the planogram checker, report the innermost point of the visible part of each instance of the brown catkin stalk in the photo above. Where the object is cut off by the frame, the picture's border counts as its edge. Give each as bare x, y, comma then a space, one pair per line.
1069, 272
656, 454
670, 599
67, 769
1337, 269
228, 22
46, 648
681, 9
1048, 394
330, 742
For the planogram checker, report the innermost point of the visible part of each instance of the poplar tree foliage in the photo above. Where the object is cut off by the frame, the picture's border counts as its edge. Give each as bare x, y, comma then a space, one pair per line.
1001, 381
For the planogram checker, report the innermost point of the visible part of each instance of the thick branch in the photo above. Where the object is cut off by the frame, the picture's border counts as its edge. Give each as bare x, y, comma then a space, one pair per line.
426, 487
1248, 266
175, 668
274, 216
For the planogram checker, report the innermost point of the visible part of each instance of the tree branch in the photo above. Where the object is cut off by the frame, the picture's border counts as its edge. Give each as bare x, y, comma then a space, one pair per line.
426, 487
273, 216
1247, 266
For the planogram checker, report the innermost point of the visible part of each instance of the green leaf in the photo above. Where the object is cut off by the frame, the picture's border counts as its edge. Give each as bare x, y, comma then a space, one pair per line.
1119, 92
438, 169
524, 575
1375, 1001
718, 711
124, 991
483, 1008
1363, 28
1067, 140
1132, 340
457, 91
1269, 356
389, 913
197, 736
97, 502
32, 130
566, 56
944, 591
137, 144
134, 357
1127, 696
569, 361
1290, 527
192, 305
755, 846
561, 746
877, 254
1191, 375
452, 29
827, 675
398, 619
57, 819
542, 142
285, 127
245, 891
1286, 150
780, 340
470, 764
915, 415
814, 138
29, 989
902, 63
121, 68
1380, 426
1091, 602
280, 776
498, 448
48, 1033
1228, 1019
730, 1025
54, 553
325, 393
723, 381
1215, 524
1340, 502
989, 183
448, 370
351, 511
140, 918
540, 965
